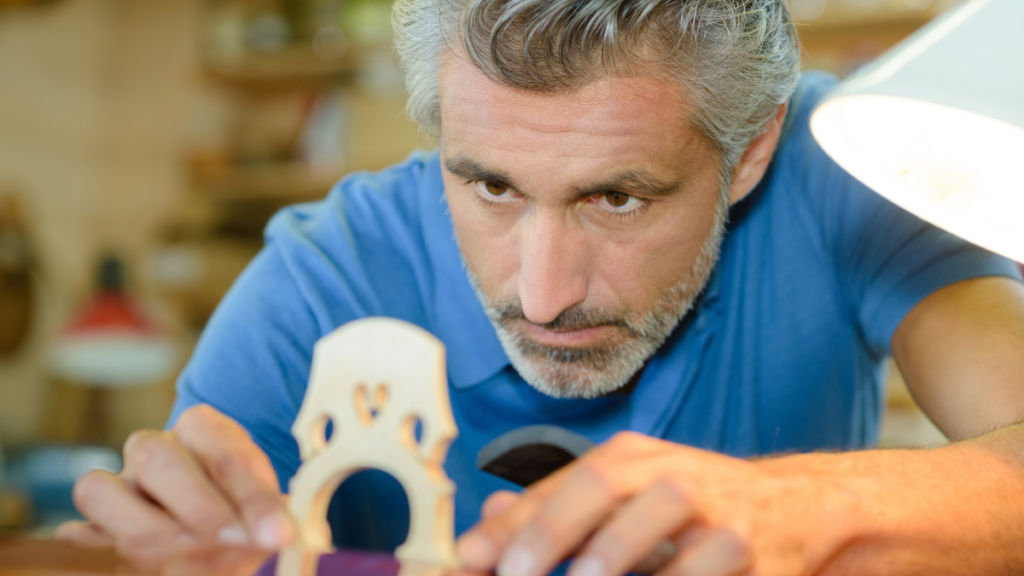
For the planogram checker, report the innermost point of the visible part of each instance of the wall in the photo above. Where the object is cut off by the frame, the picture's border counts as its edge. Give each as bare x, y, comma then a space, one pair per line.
94, 95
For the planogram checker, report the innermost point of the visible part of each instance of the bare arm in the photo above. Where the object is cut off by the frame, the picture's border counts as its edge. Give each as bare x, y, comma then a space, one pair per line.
958, 509
961, 351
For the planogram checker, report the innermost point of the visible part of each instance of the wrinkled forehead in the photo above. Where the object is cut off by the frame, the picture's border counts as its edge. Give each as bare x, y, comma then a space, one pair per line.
622, 106
609, 127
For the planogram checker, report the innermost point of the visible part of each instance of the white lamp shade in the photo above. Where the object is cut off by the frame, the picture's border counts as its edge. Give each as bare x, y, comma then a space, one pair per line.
936, 125
111, 344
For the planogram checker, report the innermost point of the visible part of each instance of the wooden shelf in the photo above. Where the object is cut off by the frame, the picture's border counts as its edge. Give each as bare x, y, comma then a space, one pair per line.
845, 36
886, 12
295, 65
286, 182
281, 182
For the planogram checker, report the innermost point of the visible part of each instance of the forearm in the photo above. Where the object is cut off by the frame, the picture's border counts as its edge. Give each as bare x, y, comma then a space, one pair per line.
958, 509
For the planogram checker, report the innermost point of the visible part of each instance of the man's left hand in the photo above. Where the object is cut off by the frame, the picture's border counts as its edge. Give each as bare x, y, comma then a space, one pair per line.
639, 503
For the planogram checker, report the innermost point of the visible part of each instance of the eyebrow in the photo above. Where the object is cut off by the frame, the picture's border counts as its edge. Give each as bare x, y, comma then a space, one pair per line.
638, 180
472, 170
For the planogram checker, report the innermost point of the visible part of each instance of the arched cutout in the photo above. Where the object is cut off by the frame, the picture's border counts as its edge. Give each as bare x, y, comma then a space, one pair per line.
407, 426
322, 432
411, 434
358, 506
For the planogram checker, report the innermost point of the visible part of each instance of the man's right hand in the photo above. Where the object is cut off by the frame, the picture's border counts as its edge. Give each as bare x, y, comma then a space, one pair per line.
201, 498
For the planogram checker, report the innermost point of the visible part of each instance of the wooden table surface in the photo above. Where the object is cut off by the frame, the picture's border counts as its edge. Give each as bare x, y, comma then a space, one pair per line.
30, 557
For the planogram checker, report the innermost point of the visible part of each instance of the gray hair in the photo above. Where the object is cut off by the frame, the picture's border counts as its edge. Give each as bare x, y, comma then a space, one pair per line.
738, 59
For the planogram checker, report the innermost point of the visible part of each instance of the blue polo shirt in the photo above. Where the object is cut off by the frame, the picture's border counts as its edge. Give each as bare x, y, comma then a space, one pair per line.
783, 351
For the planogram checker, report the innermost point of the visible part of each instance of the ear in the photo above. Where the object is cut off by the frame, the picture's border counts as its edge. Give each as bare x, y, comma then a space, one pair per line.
755, 160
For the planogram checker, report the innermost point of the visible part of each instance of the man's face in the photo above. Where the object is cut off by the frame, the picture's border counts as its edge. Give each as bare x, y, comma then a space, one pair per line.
589, 221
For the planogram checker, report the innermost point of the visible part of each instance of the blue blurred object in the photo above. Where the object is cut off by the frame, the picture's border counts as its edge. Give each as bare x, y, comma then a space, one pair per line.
47, 474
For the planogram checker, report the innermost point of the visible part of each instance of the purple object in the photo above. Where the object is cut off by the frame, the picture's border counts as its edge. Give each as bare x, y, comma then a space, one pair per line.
347, 563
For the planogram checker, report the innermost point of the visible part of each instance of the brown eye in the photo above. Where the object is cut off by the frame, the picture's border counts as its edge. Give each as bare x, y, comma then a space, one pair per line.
617, 199
494, 192
495, 189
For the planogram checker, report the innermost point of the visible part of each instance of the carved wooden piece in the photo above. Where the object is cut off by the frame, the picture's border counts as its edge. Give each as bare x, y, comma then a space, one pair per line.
374, 379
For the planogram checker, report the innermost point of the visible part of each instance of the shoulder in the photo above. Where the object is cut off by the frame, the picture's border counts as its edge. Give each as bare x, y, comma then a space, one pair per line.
356, 252
797, 148
796, 201
807, 186
390, 197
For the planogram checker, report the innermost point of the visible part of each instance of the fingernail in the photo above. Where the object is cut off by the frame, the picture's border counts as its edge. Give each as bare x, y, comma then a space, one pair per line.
476, 551
272, 532
517, 561
587, 566
233, 535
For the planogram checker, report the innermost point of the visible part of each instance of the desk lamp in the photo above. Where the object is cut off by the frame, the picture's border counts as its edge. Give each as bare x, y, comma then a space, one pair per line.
936, 125
109, 344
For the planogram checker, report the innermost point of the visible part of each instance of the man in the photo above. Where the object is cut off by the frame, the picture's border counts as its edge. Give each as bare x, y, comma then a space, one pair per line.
591, 154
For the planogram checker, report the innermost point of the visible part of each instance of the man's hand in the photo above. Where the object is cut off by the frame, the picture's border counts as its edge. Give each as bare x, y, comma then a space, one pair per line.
201, 498
635, 498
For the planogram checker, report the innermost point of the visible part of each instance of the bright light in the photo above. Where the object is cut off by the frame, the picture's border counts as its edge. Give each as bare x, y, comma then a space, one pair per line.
956, 169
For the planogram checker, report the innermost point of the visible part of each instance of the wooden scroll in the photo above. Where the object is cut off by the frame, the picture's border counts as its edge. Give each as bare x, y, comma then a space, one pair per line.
377, 381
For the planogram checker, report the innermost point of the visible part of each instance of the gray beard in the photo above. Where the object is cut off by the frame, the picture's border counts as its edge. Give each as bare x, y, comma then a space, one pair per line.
574, 372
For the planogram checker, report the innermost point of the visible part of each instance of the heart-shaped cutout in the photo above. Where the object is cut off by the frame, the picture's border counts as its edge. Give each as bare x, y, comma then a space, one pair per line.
369, 406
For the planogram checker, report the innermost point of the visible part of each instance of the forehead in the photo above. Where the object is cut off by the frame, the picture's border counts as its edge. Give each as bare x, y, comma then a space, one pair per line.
618, 116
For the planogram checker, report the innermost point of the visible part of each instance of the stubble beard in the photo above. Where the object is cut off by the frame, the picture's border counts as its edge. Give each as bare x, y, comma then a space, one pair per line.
589, 372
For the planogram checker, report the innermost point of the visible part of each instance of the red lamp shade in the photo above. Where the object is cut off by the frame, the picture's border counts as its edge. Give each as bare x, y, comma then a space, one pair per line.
111, 344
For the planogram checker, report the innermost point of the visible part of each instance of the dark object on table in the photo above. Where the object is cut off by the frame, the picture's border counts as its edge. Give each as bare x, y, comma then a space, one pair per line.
526, 455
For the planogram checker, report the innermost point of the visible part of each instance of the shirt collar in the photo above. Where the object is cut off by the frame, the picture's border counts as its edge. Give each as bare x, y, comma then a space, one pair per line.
474, 352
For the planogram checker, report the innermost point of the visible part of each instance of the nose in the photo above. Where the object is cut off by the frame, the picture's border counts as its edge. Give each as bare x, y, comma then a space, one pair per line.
552, 266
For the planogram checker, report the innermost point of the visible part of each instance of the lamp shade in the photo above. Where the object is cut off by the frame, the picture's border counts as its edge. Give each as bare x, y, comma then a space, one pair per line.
936, 125
110, 343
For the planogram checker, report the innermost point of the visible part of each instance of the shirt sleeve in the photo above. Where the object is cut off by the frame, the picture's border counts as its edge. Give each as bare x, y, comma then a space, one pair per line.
325, 263
252, 361
886, 259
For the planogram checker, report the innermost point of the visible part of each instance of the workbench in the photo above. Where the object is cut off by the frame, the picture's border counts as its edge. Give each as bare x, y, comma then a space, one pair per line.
34, 557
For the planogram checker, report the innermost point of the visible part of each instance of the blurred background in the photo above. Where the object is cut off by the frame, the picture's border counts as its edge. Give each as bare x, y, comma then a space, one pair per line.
144, 144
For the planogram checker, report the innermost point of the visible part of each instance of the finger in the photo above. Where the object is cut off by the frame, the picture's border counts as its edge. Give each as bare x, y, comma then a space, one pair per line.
117, 510
666, 550
479, 547
721, 553
568, 517
635, 531
162, 468
83, 534
241, 470
498, 503
474, 547
658, 558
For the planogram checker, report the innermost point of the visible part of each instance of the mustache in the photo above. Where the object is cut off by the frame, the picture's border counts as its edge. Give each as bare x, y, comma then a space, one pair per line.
599, 357
573, 318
